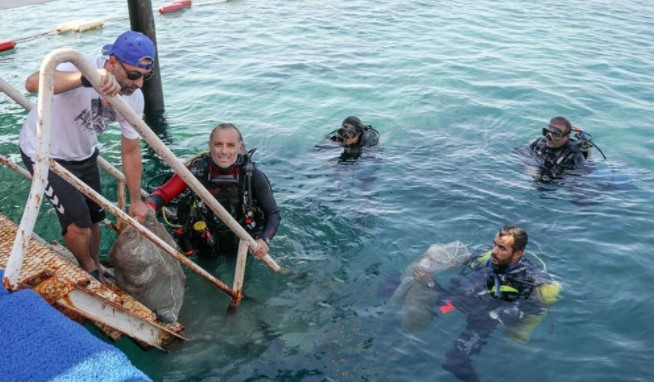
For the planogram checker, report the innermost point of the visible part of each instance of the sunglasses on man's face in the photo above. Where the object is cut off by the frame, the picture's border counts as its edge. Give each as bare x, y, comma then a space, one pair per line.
552, 133
134, 75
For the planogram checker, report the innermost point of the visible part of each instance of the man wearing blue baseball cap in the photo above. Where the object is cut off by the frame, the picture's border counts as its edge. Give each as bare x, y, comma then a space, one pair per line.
80, 114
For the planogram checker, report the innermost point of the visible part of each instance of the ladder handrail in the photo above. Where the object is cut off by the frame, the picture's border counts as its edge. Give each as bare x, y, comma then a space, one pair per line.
122, 215
15, 95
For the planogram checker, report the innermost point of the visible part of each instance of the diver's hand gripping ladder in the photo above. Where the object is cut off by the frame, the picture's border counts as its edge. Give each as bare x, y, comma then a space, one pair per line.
43, 162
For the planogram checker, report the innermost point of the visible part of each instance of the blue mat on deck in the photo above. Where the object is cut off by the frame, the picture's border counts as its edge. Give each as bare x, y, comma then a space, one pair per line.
38, 343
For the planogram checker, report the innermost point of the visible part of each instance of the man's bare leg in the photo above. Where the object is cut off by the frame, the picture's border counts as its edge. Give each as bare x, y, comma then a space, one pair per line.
94, 246
78, 241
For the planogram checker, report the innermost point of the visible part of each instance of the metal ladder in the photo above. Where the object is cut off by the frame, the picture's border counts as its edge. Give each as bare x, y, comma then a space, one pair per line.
43, 163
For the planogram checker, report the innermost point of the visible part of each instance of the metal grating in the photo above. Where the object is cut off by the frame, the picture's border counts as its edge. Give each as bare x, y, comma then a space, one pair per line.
54, 277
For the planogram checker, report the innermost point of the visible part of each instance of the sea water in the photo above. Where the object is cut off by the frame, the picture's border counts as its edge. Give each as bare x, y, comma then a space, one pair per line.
454, 87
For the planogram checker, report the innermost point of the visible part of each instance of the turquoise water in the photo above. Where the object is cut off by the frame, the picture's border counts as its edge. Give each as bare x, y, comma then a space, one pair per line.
454, 88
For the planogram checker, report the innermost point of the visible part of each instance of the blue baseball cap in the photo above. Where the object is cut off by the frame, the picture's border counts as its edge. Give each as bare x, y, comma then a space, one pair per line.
131, 48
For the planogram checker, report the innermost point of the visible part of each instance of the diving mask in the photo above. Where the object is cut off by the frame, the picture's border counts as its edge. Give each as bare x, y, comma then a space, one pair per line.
552, 133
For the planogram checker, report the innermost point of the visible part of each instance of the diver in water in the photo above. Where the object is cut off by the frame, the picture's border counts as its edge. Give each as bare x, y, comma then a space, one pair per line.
353, 135
229, 174
556, 152
560, 157
504, 288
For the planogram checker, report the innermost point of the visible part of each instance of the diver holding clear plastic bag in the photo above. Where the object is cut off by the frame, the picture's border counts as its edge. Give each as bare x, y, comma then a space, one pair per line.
416, 296
499, 287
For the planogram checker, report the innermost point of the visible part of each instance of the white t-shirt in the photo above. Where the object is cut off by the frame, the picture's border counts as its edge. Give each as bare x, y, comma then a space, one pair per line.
78, 116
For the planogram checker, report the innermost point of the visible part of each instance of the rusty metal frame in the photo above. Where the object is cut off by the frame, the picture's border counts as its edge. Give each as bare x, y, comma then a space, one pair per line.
39, 178
90, 307
15, 95
123, 218
120, 214
5, 161
52, 272
239, 273
118, 211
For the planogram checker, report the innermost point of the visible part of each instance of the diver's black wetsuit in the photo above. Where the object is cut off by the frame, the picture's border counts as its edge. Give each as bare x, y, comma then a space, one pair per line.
370, 137
493, 296
554, 162
228, 187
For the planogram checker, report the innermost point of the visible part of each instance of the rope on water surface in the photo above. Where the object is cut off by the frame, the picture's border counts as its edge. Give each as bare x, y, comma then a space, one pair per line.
118, 18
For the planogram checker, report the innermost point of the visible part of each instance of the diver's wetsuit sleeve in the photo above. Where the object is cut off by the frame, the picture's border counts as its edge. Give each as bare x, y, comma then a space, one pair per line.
370, 138
262, 192
164, 194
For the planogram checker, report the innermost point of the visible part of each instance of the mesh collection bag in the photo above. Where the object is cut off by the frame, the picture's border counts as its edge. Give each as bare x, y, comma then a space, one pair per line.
147, 273
415, 300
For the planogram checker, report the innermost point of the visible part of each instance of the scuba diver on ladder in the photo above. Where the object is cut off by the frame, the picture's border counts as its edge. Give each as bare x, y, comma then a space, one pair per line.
228, 173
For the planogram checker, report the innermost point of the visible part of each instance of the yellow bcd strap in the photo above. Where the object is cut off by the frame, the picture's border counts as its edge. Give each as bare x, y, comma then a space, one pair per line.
504, 289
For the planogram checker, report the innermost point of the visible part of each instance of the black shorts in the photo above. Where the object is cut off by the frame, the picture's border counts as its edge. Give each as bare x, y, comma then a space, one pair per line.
69, 203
